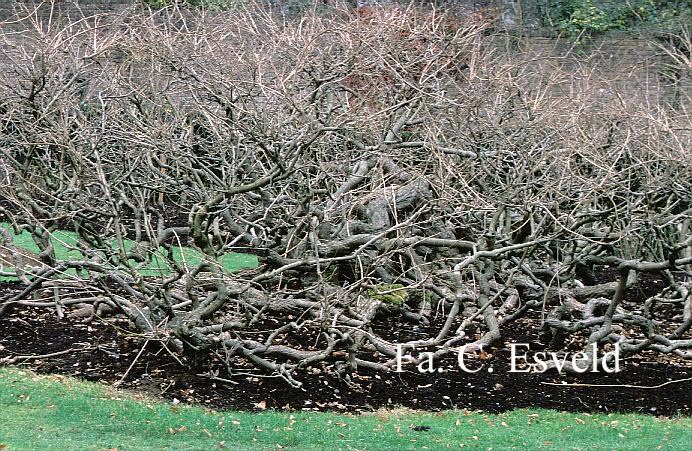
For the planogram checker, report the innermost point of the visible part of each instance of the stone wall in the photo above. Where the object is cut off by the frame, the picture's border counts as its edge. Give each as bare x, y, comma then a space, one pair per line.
74, 8
20, 19
630, 65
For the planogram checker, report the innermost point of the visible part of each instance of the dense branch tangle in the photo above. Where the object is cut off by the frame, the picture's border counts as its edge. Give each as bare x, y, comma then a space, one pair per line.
386, 164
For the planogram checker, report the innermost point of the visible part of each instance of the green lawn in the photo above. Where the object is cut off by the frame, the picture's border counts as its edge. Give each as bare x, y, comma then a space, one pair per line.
65, 244
40, 412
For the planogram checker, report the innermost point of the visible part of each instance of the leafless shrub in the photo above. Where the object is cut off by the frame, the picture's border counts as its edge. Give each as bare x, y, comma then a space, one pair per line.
381, 164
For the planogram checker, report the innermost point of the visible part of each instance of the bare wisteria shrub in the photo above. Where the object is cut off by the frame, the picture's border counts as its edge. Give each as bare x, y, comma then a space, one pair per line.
380, 163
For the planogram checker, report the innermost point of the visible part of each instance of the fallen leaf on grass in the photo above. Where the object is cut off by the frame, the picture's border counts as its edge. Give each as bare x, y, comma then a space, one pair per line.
175, 431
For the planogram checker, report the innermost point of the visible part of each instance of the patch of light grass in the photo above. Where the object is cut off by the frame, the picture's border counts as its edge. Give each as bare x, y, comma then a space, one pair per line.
65, 244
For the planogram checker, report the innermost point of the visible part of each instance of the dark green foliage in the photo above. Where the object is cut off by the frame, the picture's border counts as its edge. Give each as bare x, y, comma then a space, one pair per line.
583, 18
207, 4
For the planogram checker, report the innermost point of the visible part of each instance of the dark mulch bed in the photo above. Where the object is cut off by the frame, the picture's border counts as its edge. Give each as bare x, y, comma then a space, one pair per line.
104, 351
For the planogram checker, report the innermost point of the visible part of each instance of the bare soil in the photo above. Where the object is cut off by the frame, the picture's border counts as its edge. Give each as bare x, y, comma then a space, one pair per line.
109, 351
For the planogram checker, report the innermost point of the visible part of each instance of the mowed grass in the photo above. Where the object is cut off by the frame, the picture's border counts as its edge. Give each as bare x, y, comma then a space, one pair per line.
65, 245
40, 412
